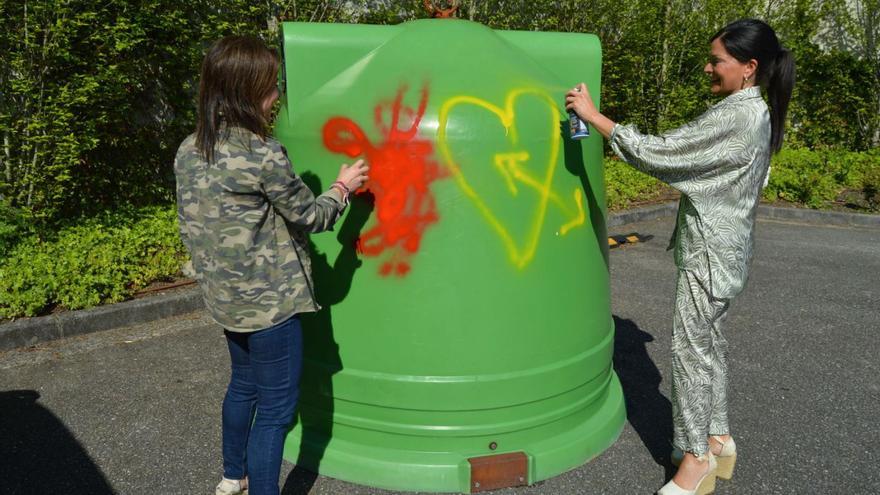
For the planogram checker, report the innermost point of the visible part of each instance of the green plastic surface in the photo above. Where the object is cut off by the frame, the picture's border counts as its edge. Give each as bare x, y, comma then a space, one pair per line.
477, 312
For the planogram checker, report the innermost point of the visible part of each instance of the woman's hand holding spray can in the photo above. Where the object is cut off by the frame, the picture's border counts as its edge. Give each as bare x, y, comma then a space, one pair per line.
577, 127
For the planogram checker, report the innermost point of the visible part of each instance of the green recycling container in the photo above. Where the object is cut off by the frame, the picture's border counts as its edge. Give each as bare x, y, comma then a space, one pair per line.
466, 337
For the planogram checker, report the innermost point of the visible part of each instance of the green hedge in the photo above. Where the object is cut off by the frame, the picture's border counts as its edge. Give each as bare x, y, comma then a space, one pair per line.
817, 179
14, 226
95, 96
625, 185
801, 177
109, 257
94, 261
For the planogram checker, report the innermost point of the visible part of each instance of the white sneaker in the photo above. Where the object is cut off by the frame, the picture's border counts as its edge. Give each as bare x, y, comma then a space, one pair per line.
230, 487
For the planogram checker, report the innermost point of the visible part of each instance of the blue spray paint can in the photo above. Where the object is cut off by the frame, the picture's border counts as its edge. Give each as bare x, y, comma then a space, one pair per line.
577, 127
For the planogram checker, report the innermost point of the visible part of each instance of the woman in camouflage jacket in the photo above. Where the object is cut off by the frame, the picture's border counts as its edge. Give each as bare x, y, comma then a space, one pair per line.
244, 215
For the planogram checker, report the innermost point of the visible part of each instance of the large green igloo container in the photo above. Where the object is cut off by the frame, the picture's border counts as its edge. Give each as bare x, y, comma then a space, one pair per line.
466, 324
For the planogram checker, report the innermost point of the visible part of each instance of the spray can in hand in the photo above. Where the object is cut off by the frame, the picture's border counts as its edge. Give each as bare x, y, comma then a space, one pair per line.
577, 127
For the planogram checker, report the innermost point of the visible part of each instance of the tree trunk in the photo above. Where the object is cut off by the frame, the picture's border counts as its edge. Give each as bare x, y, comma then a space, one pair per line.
7, 160
32, 181
663, 73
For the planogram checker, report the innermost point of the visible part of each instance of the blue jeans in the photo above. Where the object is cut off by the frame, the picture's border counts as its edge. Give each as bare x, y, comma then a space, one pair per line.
260, 402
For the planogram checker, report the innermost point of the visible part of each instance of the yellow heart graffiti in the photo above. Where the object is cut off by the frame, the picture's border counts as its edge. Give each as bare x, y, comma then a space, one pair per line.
509, 166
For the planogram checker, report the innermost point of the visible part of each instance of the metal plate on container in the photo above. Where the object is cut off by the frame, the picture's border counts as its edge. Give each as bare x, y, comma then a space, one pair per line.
498, 471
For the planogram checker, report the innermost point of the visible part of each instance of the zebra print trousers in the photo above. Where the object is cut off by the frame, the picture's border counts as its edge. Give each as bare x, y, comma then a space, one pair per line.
699, 364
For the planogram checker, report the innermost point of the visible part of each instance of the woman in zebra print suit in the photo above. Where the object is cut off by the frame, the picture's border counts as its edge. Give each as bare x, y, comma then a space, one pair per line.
720, 163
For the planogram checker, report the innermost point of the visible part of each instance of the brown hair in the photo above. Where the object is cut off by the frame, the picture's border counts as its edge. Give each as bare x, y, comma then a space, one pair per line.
238, 73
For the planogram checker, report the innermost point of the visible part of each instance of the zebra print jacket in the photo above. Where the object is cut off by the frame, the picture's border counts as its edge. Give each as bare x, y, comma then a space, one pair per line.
720, 163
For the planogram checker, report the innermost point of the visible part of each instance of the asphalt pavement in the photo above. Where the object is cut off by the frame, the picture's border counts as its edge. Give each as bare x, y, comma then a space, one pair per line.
136, 410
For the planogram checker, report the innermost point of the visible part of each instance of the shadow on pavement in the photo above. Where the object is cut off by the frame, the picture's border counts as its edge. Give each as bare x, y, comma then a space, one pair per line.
38, 454
321, 351
648, 411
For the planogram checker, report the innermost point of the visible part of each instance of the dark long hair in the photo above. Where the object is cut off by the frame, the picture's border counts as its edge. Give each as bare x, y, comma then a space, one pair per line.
238, 73
748, 39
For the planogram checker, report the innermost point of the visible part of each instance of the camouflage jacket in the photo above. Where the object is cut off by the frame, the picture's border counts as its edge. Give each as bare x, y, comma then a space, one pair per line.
244, 220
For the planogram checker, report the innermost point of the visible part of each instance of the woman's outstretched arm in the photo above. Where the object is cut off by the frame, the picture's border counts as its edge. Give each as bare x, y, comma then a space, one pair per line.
697, 149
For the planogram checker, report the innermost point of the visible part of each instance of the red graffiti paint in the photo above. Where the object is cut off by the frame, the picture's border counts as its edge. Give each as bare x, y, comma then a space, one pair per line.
401, 172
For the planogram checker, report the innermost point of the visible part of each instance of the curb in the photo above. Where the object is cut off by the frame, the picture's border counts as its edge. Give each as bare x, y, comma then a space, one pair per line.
31, 331
799, 215
804, 215
643, 214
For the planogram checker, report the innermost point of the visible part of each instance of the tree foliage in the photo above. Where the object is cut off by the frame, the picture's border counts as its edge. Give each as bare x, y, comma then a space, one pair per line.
96, 95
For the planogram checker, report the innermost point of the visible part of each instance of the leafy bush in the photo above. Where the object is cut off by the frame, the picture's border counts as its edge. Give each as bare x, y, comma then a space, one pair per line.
94, 261
812, 178
849, 168
801, 176
96, 96
860, 168
815, 178
13, 226
625, 185
870, 184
